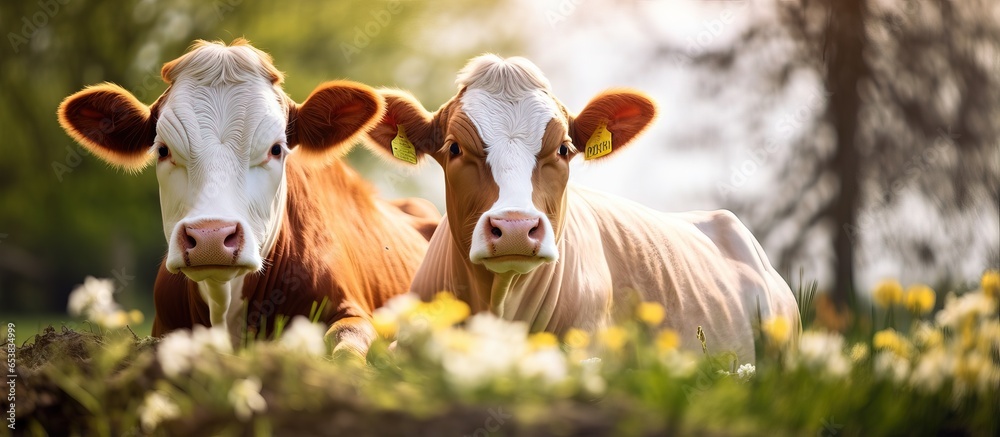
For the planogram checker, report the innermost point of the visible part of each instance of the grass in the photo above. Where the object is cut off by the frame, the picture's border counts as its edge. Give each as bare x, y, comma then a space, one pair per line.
28, 325
450, 374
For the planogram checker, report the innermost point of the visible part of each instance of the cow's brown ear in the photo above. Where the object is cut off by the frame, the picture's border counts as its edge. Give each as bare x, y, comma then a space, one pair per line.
405, 118
111, 123
333, 117
625, 113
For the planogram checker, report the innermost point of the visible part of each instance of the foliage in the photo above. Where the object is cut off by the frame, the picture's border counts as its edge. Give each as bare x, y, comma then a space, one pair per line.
448, 373
64, 214
882, 130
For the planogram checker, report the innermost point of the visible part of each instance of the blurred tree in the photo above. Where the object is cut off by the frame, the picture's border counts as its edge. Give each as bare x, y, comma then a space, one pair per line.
64, 214
911, 109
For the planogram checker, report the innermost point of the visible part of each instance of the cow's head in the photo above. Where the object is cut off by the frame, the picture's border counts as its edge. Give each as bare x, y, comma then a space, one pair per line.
220, 136
505, 143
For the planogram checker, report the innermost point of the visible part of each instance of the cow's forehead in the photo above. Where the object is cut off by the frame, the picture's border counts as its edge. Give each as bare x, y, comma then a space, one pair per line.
222, 95
510, 104
240, 115
509, 126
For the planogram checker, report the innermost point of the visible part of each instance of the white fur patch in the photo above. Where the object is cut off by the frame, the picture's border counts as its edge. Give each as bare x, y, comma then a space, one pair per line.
508, 103
220, 119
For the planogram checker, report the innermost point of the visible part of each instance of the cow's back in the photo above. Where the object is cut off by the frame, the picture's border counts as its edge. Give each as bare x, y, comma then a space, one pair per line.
704, 267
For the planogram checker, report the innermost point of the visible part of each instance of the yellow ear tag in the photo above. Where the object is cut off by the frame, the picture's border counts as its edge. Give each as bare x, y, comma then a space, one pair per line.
402, 148
599, 143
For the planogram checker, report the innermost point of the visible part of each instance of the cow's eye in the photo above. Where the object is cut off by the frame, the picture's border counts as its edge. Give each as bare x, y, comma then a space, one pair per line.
454, 149
563, 150
276, 150
163, 151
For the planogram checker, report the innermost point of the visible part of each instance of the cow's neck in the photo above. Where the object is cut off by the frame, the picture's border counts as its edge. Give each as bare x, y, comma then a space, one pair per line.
498, 291
224, 300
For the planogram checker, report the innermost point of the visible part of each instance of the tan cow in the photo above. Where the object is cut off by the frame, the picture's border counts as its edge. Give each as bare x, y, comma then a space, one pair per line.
518, 241
256, 225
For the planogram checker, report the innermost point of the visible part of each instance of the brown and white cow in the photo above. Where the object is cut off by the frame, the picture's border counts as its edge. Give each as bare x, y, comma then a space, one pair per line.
516, 240
260, 217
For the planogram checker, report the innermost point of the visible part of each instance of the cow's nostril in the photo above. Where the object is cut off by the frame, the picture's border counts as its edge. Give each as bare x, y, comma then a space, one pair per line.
232, 240
191, 242
531, 233
496, 232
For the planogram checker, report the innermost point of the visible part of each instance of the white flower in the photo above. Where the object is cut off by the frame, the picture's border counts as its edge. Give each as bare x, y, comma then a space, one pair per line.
968, 305
175, 352
246, 399
156, 408
93, 293
745, 372
927, 335
94, 299
590, 376
682, 364
891, 366
823, 352
547, 364
400, 305
304, 336
488, 347
179, 349
214, 338
931, 370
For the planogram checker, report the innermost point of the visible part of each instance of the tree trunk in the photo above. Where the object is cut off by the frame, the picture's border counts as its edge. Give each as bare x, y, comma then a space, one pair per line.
845, 69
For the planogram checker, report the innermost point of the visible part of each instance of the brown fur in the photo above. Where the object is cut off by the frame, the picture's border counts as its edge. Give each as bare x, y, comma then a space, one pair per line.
335, 243
110, 123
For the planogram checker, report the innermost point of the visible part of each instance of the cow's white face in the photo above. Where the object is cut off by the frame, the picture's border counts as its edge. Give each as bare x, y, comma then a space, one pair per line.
220, 136
505, 144
220, 163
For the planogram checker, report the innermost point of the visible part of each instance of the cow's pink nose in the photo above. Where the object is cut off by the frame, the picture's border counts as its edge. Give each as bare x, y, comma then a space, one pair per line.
213, 242
515, 235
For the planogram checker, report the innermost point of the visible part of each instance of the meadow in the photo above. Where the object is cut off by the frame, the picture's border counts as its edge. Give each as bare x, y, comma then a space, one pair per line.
900, 367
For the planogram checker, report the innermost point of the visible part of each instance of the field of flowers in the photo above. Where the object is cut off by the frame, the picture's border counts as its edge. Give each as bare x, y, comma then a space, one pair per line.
901, 368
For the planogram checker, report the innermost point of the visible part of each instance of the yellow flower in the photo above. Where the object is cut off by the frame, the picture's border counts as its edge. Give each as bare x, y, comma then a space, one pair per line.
777, 330
887, 293
920, 299
442, 312
135, 316
542, 340
890, 340
385, 324
667, 340
650, 313
576, 338
859, 352
614, 337
991, 284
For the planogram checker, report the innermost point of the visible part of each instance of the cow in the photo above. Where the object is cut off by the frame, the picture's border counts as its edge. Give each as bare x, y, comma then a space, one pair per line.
260, 216
519, 241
